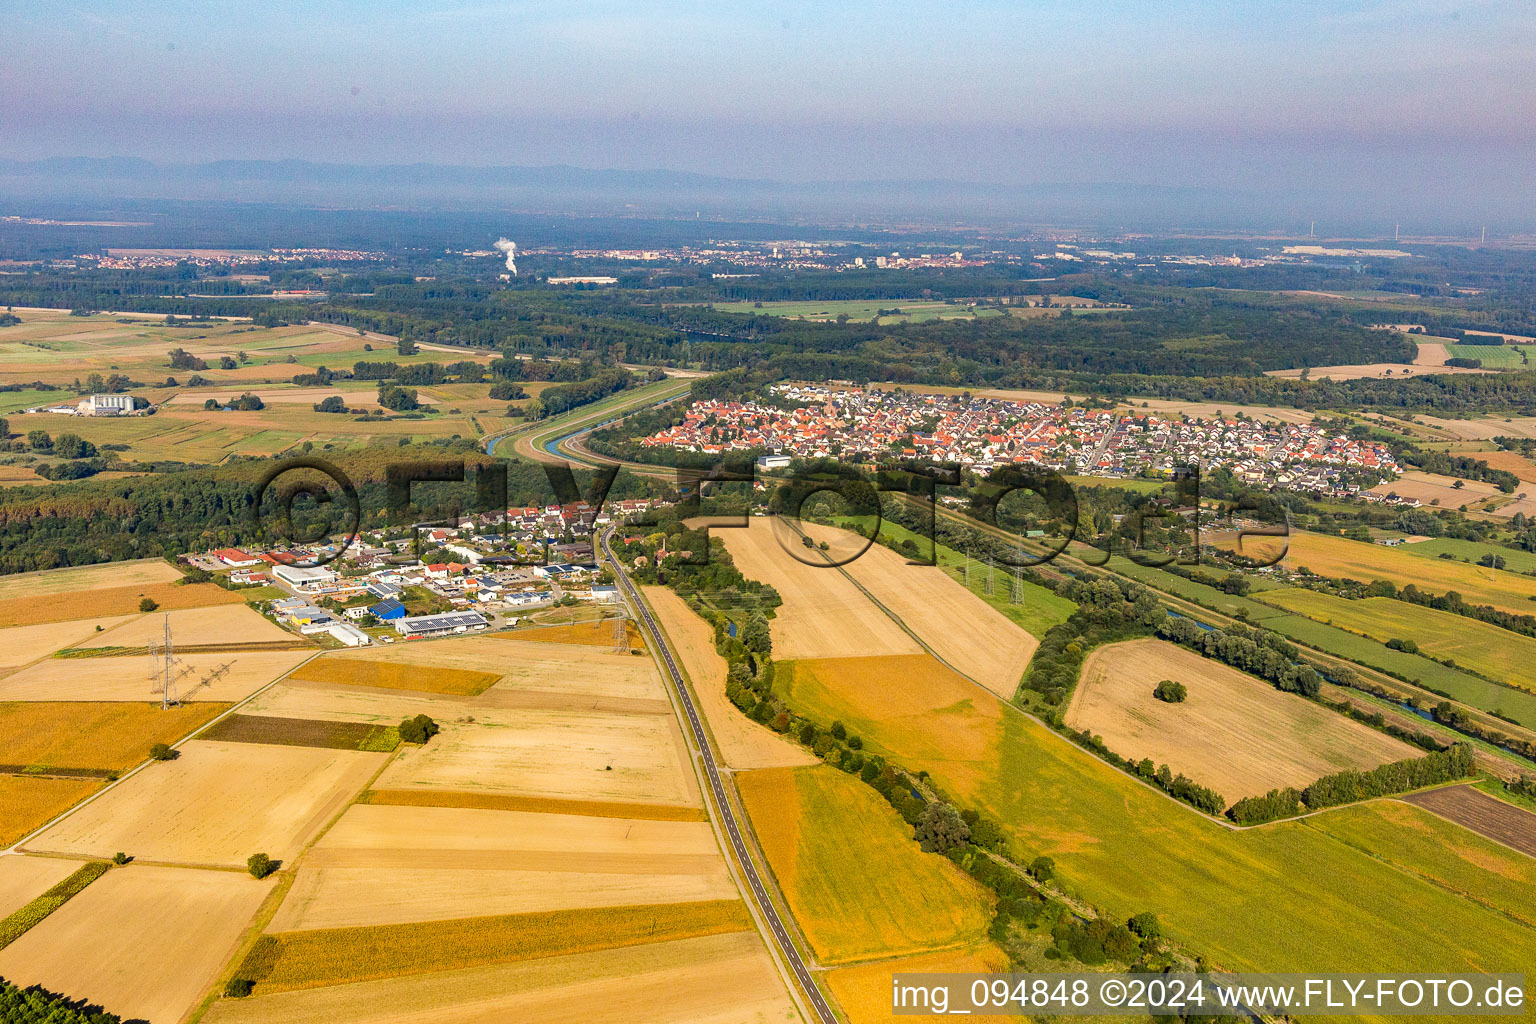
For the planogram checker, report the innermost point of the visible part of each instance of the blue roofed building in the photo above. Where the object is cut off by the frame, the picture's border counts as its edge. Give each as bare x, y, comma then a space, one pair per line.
388, 609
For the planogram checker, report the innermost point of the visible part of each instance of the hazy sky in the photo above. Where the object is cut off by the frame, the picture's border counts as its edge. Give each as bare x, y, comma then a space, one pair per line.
1412, 96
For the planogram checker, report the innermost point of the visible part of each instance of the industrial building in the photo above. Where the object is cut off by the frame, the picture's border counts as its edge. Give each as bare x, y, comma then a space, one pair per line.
387, 610
107, 405
441, 624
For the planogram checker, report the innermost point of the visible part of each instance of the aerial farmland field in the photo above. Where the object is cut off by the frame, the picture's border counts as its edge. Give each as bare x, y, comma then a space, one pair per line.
108, 575
828, 616
726, 978
384, 864
574, 754
55, 347
187, 810
742, 742
1234, 733
1340, 558
1496, 653
956, 624
231, 623
113, 601
180, 924
1127, 847
857, 884
233, 676
911, 310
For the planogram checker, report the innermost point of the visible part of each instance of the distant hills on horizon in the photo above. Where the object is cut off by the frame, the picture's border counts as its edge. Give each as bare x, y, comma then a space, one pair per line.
562, 189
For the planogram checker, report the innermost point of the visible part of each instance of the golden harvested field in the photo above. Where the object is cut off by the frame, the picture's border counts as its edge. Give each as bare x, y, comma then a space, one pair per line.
1357, 560
539, 804
126, 678
823, 614
864, 991
1482, 429
1235, 733
337, 956
77, 734
574, 668
26, 803
960, 627
910, 694
107, 601
858, 885
394, 675
1435, 489
386, 864
145, 941
108, 575
597, 633
225, 624
1358, 371
21, 645
714, 979
740, 742
218, 803
342, 702
24, 879
567, 754
1510, 462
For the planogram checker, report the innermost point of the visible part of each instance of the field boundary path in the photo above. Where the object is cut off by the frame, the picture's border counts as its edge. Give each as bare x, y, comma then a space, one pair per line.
768, 912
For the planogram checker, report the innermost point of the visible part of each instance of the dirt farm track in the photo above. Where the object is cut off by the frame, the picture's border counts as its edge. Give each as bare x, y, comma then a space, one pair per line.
1476, 810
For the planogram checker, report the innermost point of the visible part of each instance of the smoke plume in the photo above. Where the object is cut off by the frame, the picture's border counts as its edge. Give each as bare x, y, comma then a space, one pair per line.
510, 248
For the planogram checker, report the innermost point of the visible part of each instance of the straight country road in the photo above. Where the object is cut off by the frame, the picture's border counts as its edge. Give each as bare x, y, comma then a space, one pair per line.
727, 816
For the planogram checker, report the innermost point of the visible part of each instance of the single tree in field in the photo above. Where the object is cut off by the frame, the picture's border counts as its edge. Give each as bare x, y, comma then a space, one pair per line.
418, 729
260, 865
148, 604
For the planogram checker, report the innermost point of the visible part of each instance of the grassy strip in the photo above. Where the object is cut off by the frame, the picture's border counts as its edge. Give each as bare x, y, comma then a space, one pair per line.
1516, 704
20, 922
338, 956
396, 676
538, 804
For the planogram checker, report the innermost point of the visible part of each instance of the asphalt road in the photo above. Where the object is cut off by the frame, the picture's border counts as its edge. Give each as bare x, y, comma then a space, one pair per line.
749, 870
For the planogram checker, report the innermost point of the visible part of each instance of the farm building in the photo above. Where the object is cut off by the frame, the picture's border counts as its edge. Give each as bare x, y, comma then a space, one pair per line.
107, 405
440, 625
387, 610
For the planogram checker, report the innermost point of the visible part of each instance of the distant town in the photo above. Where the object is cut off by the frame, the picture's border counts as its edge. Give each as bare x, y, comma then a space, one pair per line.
981, 434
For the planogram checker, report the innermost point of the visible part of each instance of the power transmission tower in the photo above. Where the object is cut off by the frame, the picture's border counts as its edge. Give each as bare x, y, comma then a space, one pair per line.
1016, 592
987, 583
162, 668
620, 635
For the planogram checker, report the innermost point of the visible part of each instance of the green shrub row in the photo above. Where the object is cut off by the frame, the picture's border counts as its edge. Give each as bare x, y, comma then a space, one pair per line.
20, 922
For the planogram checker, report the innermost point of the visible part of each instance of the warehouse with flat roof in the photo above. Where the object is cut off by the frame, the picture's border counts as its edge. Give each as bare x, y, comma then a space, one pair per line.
440, 625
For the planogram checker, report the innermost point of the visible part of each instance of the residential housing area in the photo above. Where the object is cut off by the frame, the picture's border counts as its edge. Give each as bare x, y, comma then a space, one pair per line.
981, 434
